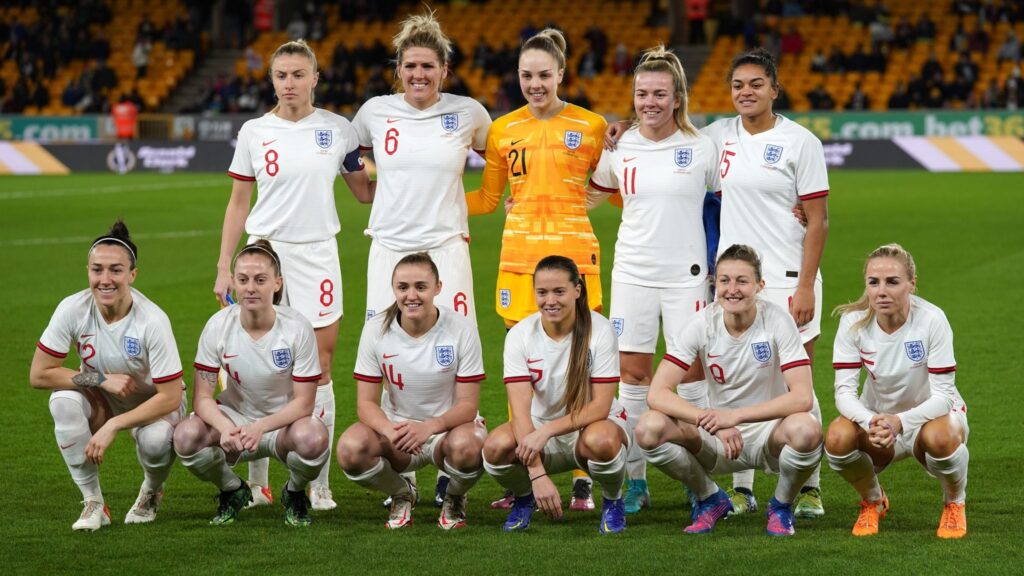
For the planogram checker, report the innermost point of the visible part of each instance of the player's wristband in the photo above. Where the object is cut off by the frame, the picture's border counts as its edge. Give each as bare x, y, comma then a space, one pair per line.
88, 379
538, 477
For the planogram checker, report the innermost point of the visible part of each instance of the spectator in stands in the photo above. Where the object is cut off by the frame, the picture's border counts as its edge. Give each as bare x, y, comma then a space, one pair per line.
622, 62
860, 14
782, 101
696, 14
991, 97
858, 99
146, 29
792, 42
935, 94
140, 56
481, 53
376, 84
958, 40
820, 99
877, 61
254, 62
590, 64
858, 61
979, 40
903, 35
598, 40
931, 66
1013, 96
456, 85
880, 32
916, 87
40, 96
579, 97
966, 69
900, 97
19, 98
819, 62
99, 47
836, 60
297, 28
772, 41
1009, 49
925, 30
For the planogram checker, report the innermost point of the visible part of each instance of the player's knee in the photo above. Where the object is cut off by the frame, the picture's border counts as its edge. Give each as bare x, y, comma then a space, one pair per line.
353, 450
66, 409
938, 438
649, 430
803, 432
154, 441
188, 436
463, 451
841, 437
308, 438
500, 447
601, 443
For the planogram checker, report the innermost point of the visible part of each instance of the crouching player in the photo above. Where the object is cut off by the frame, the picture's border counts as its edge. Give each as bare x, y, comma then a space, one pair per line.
910, 404
129, 379
561, 372
759, 398
269, 354
418, 370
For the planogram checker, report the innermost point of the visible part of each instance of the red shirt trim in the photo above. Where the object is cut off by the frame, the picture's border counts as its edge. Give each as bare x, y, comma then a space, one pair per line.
205, 368
365, 378
474, 378
796, 364
306, 378
945, 370
604, 189
813, 195
846, 365
164, 379
676, 361
605, 380
511, 379
53, 353
241, 177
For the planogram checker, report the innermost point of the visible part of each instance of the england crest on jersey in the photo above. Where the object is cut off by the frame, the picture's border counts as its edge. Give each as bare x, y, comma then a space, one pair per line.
132, 347
445, 355
683, 156
370, 313
915, 350
450, 122
505, 297
772, 153
282, 358
617, 324
573, 139
324, 138
762, 351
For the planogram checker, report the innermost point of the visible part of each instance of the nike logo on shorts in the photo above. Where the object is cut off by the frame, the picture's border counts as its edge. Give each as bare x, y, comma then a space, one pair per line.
325, 313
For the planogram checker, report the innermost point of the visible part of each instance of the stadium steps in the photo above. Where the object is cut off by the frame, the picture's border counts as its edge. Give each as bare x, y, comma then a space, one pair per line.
217, 61
693, 59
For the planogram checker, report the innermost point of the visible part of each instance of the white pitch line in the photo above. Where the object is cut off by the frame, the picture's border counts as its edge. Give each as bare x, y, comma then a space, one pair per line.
86, 191
23, 242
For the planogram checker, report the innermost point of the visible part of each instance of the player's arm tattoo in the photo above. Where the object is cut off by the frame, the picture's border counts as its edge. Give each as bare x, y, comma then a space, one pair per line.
209, 378
88, 379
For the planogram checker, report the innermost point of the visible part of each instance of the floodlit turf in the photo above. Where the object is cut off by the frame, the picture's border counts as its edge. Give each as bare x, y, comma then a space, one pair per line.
965, 231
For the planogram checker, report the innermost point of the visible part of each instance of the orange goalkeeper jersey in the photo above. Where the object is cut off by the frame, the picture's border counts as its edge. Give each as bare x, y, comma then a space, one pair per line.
546, 163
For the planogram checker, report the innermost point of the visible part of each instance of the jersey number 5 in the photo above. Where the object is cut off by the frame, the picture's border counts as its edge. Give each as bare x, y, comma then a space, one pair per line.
725, 161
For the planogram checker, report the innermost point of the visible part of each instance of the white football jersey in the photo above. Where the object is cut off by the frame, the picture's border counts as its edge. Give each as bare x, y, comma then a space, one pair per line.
419, 374
294, 165
661, 242
910, 373
763, 177
420, 201
260, 372
532, 356
747, 370
140, 345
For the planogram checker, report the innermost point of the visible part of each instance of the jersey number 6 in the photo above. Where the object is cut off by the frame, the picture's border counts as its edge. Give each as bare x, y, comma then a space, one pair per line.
391, 141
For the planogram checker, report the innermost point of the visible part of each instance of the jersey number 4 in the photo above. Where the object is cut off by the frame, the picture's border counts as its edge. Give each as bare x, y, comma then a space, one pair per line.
389, 372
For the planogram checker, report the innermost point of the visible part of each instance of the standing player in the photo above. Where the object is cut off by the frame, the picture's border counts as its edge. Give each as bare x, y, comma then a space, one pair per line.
269, 354
545, 151
129, 379
662, 168
420, 138
418, 372
759, 405
561, 368
910, 404
293, 153
768, 164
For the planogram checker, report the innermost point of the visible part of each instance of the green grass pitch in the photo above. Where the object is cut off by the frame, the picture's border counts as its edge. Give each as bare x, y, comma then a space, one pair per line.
965, 230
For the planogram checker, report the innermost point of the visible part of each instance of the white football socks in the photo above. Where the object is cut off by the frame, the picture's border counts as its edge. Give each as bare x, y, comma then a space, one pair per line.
323, 409
155, 449
794, 469
858, 469
71, 414
460, 482
512, 477
381, 477
951, 472
677, 463
610, 474
633, 398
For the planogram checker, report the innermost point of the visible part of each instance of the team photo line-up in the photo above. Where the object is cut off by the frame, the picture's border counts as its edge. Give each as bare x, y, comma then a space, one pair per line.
718, 251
